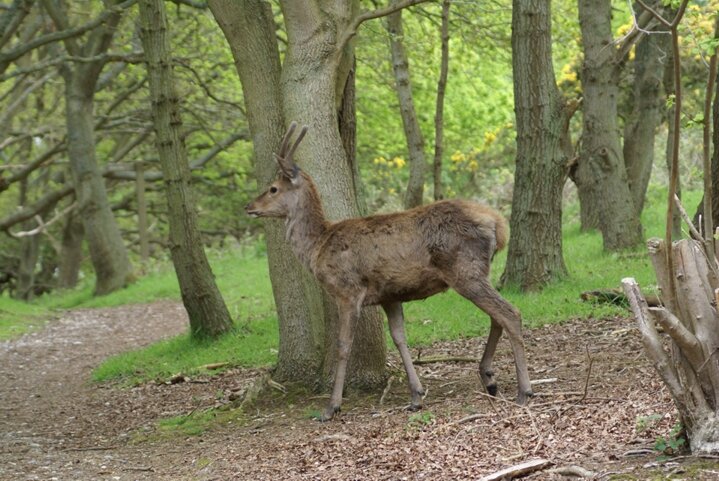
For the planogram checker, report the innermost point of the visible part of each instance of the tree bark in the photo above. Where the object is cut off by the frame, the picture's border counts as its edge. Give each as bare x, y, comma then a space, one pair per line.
309, 80
439, 110
70, 252
690, 372
209, 317
535, 246
668, 82
107, 250
605, 198
273, 94
652, 53
297, 296
412, 131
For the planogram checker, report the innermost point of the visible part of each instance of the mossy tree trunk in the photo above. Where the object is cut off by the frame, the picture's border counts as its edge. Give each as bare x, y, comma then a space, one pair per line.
605, 199
535, 246
208, 314
308, 89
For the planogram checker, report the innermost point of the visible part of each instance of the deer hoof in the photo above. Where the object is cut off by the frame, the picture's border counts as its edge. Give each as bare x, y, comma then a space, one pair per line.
329, 414
414, 407
523, 397
492, 389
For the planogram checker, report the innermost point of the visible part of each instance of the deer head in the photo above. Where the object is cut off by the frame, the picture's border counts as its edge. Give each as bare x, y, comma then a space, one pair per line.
282, 194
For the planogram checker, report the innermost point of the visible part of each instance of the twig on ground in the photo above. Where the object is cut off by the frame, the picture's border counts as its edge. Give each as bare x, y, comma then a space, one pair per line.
518, 470
386, 390
535, 382
139, 468
589, 373
431, 360
576, 471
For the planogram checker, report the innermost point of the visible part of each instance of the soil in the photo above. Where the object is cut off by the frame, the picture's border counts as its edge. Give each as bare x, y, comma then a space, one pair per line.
599, 406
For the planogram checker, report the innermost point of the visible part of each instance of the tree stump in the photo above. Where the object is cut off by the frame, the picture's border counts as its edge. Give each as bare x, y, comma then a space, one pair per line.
690, 367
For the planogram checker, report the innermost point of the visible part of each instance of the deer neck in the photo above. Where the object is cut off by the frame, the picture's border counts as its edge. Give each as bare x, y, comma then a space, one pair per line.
305, 226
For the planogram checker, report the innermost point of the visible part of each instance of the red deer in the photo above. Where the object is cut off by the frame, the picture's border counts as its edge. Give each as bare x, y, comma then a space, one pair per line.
393, 258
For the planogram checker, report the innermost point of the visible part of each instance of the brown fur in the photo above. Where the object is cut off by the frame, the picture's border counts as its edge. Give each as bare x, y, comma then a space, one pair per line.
392, 258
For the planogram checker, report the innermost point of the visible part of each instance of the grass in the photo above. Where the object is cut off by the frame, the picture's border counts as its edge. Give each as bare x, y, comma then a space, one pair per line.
243, 279
17, 317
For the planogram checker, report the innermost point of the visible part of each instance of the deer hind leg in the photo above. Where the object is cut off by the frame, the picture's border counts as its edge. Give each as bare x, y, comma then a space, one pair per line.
349, 312
395, 316
484, 296
485, 365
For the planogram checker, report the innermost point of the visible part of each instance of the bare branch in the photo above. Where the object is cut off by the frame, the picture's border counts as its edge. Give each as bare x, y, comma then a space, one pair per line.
196, 164
351, 31
32, 166
198, 4
41, 225
21, 50
655, 14
28, 212
652, 343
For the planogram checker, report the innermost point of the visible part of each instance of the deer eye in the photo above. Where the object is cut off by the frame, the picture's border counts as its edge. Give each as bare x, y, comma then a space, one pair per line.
273, 190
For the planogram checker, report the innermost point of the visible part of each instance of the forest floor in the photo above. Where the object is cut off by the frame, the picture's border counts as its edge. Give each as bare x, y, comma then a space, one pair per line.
599, 406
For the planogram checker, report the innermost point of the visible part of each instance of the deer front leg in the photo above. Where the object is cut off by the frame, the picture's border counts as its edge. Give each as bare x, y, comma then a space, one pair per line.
395, 317
485, 365
348, 314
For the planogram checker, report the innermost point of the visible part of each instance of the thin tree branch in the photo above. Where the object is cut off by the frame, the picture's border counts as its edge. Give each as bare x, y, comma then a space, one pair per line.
21, 50
196, 164
28, 212
351, 30
41, 225
32, 166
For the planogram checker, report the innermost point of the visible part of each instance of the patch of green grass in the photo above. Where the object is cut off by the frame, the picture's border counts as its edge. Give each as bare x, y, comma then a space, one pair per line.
253, 345
161, 284
193, 424
18, 317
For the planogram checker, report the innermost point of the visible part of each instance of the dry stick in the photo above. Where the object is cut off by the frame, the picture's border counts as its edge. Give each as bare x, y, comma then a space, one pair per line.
518, 470
386, 390
706, 162
674, 175
430, 360
684, 215
589, 373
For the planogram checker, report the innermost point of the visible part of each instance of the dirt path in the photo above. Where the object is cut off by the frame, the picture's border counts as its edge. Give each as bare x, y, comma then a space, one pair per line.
56, 425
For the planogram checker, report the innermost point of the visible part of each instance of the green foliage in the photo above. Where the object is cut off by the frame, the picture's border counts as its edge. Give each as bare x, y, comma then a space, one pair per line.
647, 422
673, 443
420, 420
193, 424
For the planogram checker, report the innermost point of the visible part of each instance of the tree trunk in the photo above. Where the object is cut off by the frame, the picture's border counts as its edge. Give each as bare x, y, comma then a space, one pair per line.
70, 252
439, 110
652, 52
412, 131
309, 85
535, 246
305, 317
606, 201
107, 251
205, 307
257, 60
348, 131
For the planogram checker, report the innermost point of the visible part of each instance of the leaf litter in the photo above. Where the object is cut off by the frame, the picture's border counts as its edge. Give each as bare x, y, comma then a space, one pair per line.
599, 408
